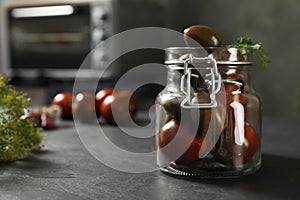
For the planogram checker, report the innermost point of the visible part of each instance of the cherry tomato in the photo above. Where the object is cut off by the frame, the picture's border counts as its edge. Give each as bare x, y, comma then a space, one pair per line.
204, 35
100, 96
191, 154
64, 101
105, 109
166, 135
207, 117
228, 152
133, 103
119, 103
171, 104
84, 108
201, 116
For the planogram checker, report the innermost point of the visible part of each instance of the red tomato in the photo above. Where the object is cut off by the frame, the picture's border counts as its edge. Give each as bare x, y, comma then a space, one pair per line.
64, 101
204, 35
100, 96
166, 135
119, 103
105, 109
84, 108
171, 104
206, 117
228, 152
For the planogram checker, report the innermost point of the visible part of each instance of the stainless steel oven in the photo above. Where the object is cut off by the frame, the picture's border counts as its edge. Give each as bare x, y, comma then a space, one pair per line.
52, 38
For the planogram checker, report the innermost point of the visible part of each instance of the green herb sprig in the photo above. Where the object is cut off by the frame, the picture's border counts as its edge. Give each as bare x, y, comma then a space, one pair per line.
257, 48
18, 136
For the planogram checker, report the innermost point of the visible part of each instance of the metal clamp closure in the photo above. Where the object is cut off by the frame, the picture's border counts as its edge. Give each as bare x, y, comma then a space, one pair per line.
207, 68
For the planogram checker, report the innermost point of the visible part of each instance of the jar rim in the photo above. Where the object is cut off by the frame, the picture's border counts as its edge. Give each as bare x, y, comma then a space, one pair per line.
184, 48
200, 47
223, 55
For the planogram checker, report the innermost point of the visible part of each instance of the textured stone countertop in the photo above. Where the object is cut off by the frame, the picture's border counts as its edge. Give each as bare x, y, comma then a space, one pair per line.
64, 169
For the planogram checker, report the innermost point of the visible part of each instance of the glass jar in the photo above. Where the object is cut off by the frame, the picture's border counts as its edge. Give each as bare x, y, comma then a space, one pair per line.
208, 115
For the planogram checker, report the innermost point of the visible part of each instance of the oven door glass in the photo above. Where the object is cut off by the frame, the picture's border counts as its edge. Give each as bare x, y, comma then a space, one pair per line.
50, 41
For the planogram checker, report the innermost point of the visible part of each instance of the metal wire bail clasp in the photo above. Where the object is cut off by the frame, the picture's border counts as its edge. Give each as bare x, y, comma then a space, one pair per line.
207, 68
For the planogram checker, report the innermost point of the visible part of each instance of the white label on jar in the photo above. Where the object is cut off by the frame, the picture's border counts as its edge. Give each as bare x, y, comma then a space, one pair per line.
239, 114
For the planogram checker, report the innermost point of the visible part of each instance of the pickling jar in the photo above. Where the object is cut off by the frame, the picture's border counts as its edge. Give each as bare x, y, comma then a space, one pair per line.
208, 116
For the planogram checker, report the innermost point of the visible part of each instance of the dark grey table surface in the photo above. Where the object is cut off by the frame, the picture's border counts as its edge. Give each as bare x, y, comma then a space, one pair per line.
64, 169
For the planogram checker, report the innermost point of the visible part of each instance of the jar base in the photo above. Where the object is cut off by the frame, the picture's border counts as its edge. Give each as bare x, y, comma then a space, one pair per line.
216, 172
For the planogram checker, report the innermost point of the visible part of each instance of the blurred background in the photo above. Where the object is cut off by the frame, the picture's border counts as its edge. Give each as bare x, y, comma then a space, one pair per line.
274, 23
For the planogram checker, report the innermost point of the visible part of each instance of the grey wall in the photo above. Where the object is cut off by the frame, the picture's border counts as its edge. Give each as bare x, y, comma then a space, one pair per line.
0, 37
275, 23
